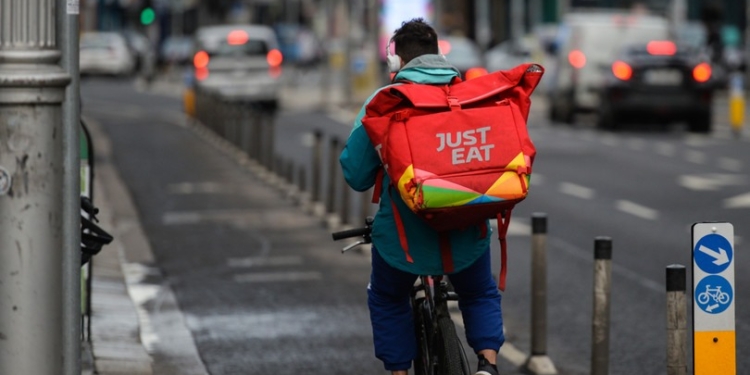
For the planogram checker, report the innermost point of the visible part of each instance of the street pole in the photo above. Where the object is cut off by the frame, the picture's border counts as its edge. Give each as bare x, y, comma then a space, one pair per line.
32, 89
518, 16
67, 40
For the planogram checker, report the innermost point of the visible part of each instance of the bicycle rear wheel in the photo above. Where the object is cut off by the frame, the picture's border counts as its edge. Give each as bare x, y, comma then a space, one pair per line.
422, 362
452, 359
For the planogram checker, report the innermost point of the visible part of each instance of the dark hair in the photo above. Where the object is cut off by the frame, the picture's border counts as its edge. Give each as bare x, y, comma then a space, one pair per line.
415, 38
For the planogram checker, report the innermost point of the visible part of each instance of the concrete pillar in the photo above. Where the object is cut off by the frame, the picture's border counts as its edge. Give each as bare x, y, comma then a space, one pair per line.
32, 89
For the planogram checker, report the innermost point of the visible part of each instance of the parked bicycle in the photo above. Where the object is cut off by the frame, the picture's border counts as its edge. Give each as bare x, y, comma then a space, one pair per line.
440, 351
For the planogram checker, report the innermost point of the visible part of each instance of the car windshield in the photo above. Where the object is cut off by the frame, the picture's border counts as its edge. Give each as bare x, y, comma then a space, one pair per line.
249, 48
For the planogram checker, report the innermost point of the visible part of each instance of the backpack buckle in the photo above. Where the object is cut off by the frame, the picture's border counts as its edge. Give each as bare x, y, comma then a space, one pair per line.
453, 103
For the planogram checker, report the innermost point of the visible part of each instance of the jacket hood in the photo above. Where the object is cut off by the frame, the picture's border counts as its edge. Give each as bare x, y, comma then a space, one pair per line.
428, 69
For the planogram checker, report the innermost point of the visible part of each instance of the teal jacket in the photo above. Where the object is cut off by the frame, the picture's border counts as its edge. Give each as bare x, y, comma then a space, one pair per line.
360, 163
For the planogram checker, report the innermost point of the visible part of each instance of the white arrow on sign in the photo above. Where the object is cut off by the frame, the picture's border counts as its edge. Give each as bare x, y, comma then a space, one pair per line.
740, 201
720, 257
711, 181
711, 308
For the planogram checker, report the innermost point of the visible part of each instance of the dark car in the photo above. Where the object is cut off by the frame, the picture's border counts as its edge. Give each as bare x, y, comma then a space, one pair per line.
658, 82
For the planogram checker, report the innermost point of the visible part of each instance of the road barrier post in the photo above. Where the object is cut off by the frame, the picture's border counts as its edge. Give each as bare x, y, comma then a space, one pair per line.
539, 362
602, 291
365, 203
257, 132
332, 175
268, 136
676, 320
317, 161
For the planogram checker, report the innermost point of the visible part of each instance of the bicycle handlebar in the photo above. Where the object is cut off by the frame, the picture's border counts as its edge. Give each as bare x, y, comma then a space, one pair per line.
356, 232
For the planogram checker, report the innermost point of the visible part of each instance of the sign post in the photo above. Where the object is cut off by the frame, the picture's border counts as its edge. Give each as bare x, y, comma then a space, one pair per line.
714, 350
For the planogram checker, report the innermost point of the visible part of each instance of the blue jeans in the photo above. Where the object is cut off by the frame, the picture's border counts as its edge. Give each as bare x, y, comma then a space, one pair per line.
391, 314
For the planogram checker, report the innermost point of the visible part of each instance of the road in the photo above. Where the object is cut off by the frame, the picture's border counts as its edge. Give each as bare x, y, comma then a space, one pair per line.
642, 188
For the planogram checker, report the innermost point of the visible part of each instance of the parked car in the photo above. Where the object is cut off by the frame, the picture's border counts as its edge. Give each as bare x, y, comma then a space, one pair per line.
243, 60
587, 42
105, 53
464, 54
660, 82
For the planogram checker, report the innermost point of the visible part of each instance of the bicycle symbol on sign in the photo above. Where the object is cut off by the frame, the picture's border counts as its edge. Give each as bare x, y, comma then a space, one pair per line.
715, 294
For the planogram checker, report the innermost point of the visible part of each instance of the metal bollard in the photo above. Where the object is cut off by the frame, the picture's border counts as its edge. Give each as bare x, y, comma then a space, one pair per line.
317, 165
244, 131
600, 325
257, 132
676, 321
302, 179
268, 138
539, 362
332, 175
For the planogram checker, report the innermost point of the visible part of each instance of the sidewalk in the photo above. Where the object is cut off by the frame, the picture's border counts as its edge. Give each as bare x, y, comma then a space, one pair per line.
120, 342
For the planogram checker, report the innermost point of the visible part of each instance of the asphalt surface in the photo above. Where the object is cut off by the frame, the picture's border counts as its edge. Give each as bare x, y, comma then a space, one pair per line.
262, 287
210, 219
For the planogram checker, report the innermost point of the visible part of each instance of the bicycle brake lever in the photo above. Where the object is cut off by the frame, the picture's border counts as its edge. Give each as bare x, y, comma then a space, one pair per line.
349, 247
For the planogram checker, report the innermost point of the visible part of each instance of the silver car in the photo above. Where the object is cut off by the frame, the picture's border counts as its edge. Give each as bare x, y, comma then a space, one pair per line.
105, 53
243, 61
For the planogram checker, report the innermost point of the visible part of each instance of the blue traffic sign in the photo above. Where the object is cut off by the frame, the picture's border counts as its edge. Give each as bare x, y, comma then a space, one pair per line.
713, 253
714, 294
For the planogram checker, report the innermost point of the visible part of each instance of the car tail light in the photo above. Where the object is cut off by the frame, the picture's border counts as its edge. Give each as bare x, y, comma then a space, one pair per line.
201, 59
475, 72
661, 48
274, 58
577, 59
622, 70
237, 37
702, 72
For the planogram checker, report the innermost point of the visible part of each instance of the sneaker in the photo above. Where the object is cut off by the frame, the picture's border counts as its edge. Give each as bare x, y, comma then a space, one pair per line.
485, 367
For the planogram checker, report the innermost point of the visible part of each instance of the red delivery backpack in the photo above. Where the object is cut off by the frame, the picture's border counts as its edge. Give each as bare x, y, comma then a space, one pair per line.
458, 154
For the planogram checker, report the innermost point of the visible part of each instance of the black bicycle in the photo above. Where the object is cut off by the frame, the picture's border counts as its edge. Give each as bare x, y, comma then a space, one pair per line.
440, 351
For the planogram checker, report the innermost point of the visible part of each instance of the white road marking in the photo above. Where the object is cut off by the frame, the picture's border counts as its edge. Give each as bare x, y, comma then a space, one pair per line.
711, 181
266, 277
199, 188
289, 260
636, 209
696, 157
536, 179
637, 144
576, 190
729, 164
740, 201
611, 141
507, 351
665, 149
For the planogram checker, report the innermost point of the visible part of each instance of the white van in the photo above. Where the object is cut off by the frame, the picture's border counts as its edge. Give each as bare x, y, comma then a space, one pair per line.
586, 44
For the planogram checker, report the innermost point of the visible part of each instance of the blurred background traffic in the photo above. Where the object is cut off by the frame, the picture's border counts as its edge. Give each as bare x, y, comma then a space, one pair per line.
620, 60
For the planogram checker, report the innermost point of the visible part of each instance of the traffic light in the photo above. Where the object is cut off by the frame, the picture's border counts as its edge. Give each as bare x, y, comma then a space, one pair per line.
147, 16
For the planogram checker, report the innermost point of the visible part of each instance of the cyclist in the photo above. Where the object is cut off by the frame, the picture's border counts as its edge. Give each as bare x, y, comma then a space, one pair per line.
393, 276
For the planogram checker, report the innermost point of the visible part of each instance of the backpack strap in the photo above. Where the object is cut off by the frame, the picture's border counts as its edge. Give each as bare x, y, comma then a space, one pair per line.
503, 221
445, 251
377, 189
400, 228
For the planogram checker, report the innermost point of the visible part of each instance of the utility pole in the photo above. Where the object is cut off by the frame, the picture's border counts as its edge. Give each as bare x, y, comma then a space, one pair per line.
67, 13
32, 89
518, 18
